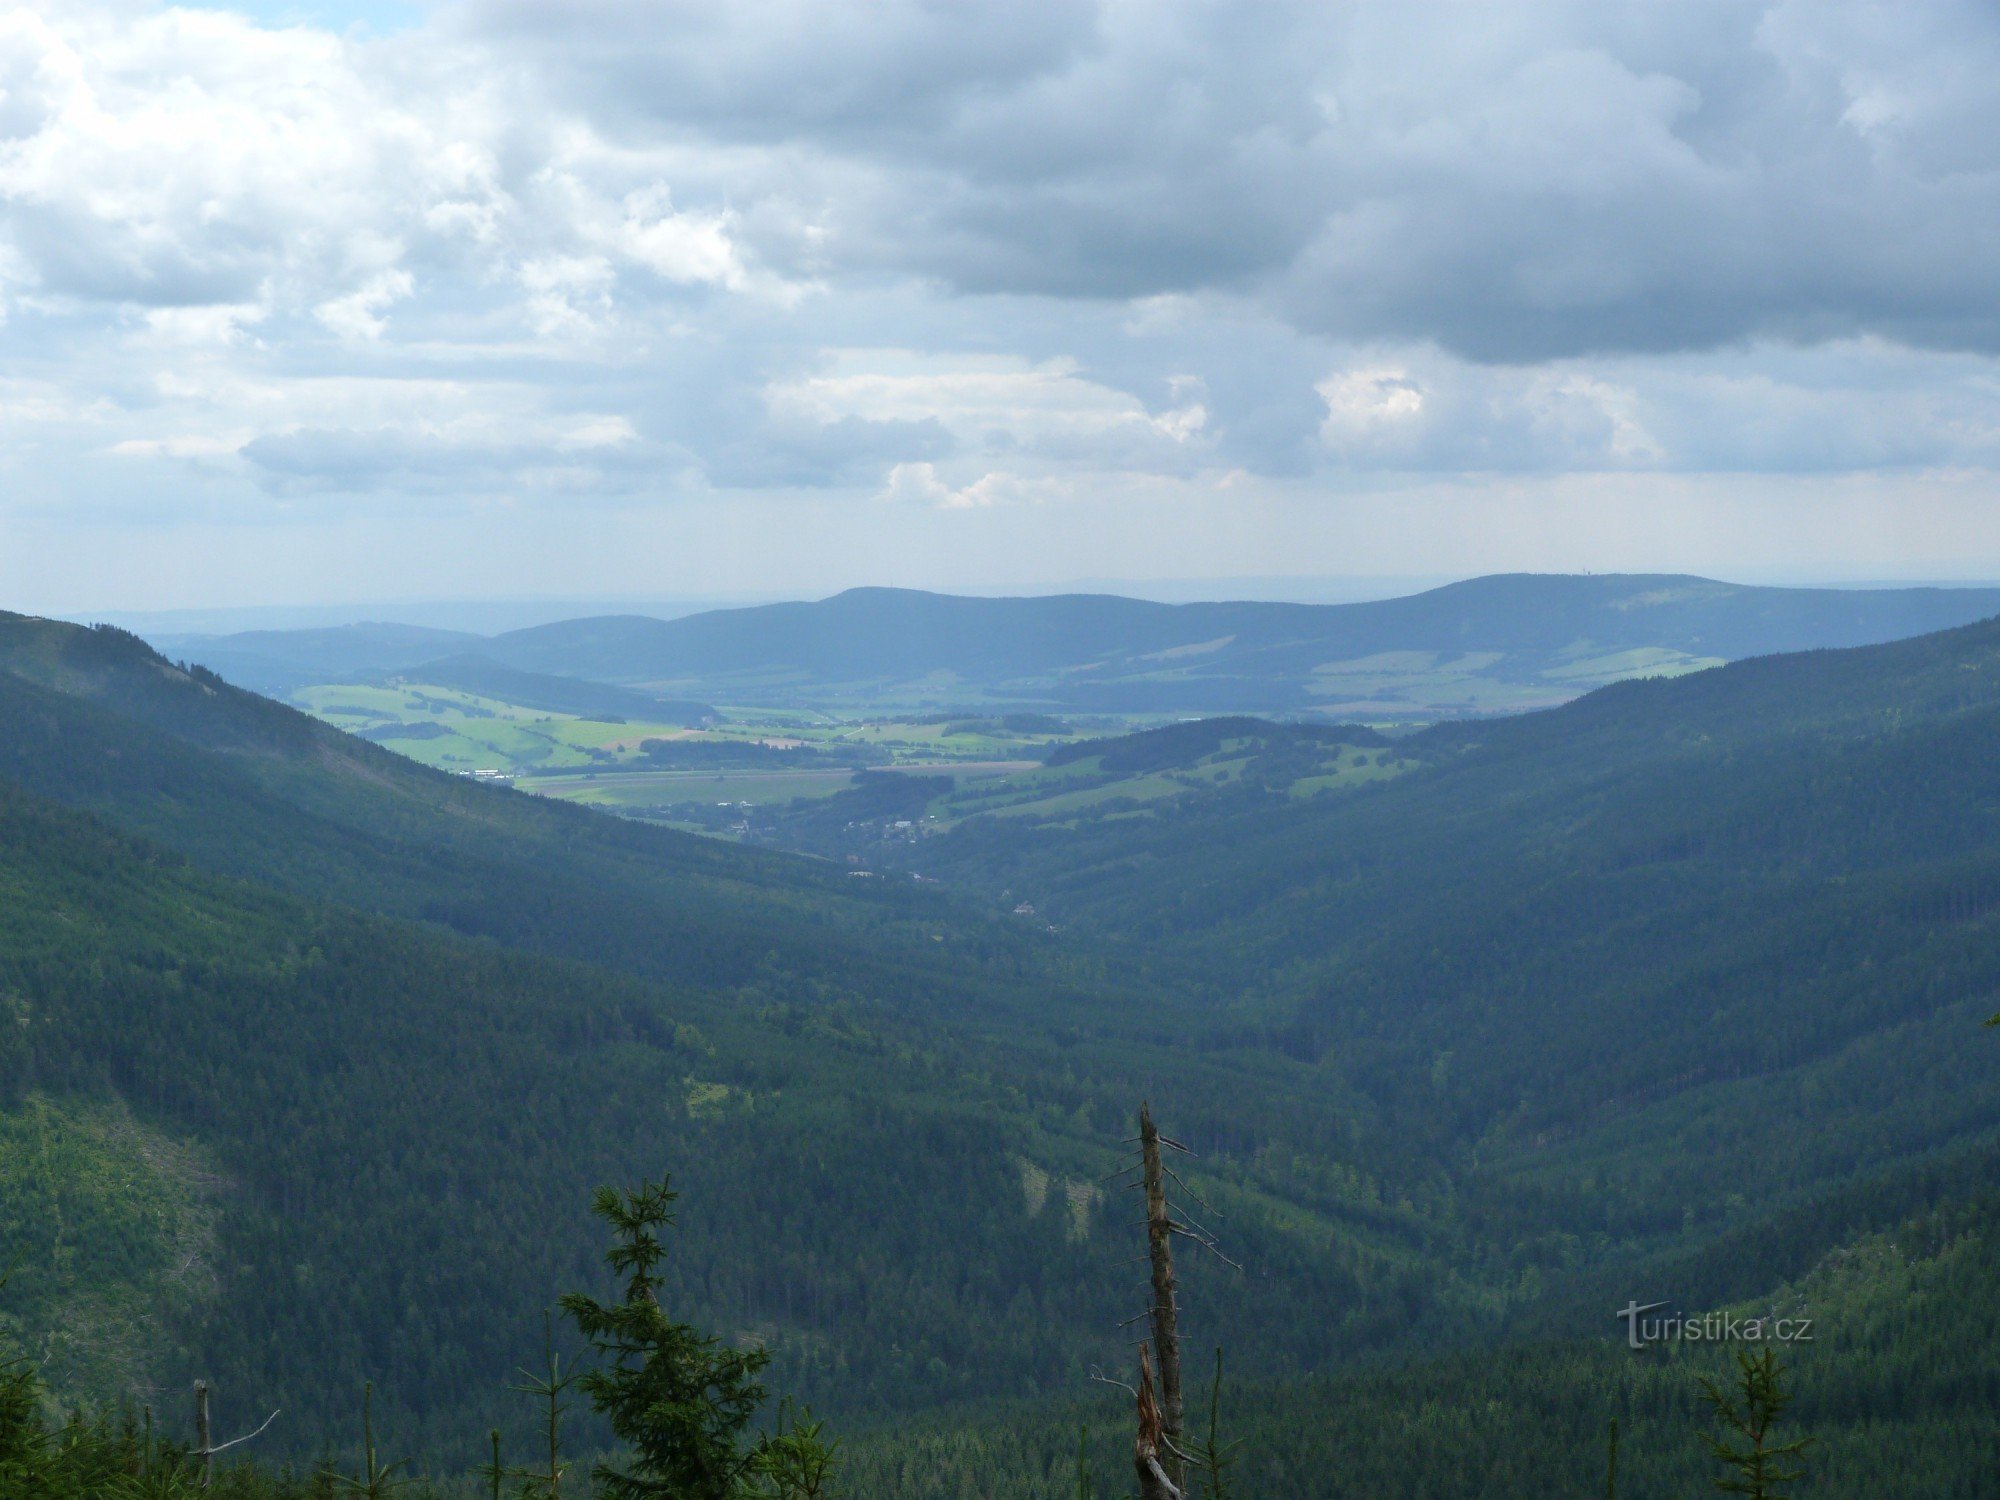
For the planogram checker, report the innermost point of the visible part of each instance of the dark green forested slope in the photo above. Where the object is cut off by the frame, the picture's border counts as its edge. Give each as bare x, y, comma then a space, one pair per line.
393, 1134
1899, 1389
1634, 966
1681, 983
247, 787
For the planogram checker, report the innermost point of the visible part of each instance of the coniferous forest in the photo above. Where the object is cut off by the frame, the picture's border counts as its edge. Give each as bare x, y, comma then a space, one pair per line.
319, 1063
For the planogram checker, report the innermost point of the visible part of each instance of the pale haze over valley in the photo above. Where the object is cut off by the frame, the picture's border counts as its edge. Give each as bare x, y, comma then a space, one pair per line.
354, 304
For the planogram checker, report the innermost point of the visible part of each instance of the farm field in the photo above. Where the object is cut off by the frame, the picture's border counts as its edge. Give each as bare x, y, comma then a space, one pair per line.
456, 730
626, 791
1106, 782
818, 780
630, 790
707, 777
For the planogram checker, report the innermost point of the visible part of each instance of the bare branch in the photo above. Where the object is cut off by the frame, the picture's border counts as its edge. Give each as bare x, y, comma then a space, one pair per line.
1207, 1244
1192, 1221
1103, 1379
1192, 1193
204, 1453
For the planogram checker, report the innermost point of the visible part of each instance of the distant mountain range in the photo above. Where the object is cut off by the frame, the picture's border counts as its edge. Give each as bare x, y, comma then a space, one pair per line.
1508, 641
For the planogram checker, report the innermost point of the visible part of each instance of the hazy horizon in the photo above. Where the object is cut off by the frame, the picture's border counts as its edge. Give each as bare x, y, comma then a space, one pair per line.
491, 616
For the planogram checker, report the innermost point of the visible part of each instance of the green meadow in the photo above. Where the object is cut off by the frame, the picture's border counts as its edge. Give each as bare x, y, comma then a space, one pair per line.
749, 771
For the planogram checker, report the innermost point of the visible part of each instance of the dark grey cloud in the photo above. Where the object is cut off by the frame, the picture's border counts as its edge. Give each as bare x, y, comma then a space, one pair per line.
782, 70
1515, 182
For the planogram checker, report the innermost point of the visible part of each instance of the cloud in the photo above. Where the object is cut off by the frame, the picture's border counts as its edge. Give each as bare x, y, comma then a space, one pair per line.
781, 70
358, 314
184, 158
189, 158
1003, 404
919, 484
1862, 404
590, 452
1036, 258
1514, 182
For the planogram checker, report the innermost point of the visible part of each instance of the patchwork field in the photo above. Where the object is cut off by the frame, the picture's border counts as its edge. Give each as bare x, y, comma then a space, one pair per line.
764, 774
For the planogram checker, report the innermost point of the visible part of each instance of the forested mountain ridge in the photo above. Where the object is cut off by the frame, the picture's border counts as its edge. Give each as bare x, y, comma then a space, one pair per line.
1500, 642
251, 788
1764, 719
273, 661
902, 633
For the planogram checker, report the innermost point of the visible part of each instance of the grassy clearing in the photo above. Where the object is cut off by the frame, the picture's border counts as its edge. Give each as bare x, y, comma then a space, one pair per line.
1061, 794
362, 704
1646, 661
629, 789
996, 770
1370, 696
1429, 682
1150, 788
110, 1228
1354, 772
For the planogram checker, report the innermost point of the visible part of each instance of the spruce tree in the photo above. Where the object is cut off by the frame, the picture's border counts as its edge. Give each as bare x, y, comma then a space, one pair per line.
796, 1462
557, 1376
680, 1400
1756, 1464
1210, 1456
24, 1441
376, 1480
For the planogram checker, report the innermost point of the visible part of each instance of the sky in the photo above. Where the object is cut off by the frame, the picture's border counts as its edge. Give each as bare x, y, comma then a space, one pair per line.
326, 303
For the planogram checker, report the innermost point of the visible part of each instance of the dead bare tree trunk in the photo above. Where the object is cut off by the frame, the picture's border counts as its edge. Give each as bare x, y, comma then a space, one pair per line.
1166, 1313
1157, 1451
201, 1432
1155, 1483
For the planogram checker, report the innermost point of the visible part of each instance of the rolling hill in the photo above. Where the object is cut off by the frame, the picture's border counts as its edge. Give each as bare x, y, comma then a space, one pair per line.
1502, 641
1488, 644
276, 661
